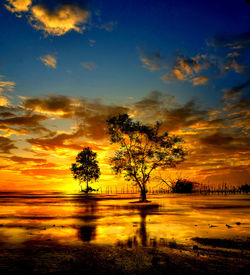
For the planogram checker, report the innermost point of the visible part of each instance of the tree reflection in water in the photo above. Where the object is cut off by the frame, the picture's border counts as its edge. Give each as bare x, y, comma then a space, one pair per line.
143, 227
141, 236
87, 231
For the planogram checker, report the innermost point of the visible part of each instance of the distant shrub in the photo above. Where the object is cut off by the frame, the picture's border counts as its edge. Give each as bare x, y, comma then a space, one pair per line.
183, 186
245, 188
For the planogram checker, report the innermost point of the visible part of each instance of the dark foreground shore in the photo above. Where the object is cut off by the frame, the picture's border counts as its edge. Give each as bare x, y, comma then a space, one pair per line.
51, 258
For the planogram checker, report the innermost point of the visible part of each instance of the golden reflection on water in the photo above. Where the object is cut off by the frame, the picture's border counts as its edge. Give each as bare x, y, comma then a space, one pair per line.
79, 219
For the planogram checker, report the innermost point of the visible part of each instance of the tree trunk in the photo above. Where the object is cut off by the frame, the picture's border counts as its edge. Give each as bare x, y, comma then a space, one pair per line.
80, 184
87, 189
143, 194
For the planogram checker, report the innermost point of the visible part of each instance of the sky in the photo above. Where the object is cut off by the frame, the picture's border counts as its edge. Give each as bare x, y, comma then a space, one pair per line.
67, 66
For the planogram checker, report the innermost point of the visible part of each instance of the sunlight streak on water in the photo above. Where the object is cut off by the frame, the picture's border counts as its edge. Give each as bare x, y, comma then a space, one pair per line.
113, 220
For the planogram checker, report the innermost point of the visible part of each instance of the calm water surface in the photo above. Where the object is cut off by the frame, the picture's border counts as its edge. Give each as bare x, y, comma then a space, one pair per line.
114, 220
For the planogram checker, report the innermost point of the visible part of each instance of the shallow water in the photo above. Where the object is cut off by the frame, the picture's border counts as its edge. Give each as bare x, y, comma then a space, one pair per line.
169, 220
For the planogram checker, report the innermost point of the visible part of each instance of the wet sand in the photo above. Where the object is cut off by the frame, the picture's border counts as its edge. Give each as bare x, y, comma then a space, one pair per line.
51, 258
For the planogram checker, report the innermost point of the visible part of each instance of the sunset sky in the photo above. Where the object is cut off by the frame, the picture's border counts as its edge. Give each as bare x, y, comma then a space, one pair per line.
66, 66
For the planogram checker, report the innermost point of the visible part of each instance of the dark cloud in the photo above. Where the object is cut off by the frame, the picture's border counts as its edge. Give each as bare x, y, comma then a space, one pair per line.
237, 41
242, 104
152, 107
91, 115
217, 139
232, 175
6, 114
19, 159
153, 100
8, 109
27, 121
184, 116
232, 141
232, 52
237, 90
6, 145
23, 123
64, 141
238, 98
54, 103
57, 141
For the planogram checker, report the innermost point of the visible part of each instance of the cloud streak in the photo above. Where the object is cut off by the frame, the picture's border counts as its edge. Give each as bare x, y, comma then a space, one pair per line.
90, 66
6, 145
6, 85
49, 60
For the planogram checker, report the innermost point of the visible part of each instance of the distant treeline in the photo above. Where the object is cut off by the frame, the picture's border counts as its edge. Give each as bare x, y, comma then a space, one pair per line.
224, 188
179, 186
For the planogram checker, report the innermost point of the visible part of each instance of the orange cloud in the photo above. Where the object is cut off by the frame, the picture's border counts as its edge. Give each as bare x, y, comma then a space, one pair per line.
6, 85
60, 20
45, 172
152, 62
234, 65
49, 60
18, 5
214, 139
200, 80
4, 101
186, 69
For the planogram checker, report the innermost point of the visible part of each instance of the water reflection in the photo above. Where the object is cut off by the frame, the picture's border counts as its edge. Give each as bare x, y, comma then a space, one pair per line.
140, 236
87, 231
143, 227
112, 220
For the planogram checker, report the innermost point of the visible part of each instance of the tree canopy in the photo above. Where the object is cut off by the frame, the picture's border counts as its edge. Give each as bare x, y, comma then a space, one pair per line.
142, 150
86, 168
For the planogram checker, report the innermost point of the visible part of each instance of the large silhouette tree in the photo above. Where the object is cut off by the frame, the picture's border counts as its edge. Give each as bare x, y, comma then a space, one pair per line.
86, 168
142, 150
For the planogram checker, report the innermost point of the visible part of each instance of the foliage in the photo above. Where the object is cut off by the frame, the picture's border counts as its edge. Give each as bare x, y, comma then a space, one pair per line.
183, 186
245, 188
86, 168
142, 150
180, 185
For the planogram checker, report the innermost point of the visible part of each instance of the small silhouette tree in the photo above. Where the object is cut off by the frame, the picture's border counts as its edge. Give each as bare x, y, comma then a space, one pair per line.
142, 150
86, 168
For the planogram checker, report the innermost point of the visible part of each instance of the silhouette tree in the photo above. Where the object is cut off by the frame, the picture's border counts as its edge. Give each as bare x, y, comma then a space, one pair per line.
86, 168
180, 185
142, 150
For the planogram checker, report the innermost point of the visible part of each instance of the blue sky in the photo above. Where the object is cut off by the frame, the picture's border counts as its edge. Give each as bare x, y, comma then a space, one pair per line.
167, 27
